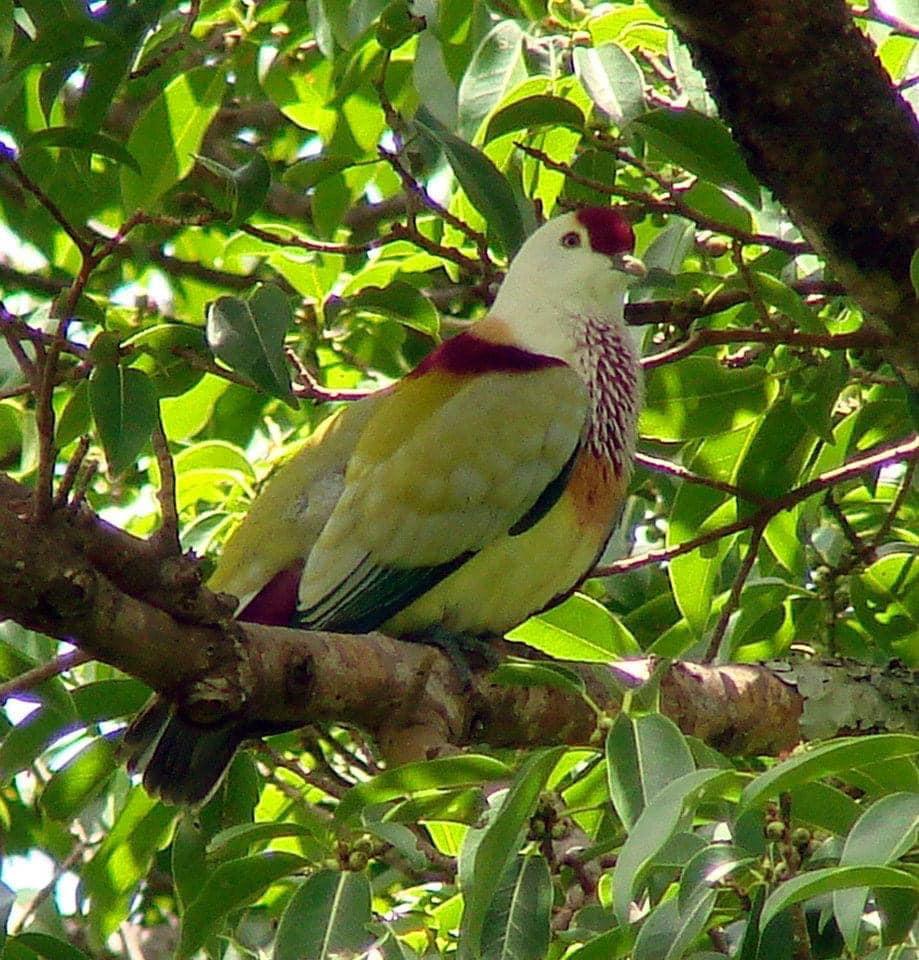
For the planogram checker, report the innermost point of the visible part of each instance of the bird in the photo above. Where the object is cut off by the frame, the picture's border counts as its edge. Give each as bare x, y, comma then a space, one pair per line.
475, 492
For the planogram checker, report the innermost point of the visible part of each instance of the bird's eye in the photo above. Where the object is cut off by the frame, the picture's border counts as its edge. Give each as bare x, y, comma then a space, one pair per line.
572, 239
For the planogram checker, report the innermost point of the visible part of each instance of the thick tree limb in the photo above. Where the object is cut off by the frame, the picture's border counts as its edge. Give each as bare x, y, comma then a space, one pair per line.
407, 695
825, 130
81, 580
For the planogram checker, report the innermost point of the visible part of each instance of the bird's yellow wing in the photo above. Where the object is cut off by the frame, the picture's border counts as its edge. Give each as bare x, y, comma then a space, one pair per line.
286, 519
444, 465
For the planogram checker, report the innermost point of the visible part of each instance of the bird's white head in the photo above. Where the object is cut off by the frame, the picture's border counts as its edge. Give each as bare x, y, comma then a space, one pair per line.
573, 270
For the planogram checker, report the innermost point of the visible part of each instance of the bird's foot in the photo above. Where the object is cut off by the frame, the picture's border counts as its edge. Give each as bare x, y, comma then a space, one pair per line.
464, 651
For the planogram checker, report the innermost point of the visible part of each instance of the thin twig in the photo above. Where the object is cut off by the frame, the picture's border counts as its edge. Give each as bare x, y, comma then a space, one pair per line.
709, 338
309, 388
167, 537
675, 205
675, 470
415, 189
733, 599
883, 456
319, 246
314, 779
864, 551
83, 481
897, 504
82, 243
35, 676
71, 472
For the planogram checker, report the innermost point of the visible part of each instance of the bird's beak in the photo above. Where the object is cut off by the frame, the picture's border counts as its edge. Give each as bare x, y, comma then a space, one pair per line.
630, 265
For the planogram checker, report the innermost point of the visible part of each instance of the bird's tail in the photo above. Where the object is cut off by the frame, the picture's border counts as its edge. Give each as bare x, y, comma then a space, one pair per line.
181, 761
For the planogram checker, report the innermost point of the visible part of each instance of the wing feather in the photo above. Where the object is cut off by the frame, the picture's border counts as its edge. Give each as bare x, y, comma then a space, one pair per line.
443, 467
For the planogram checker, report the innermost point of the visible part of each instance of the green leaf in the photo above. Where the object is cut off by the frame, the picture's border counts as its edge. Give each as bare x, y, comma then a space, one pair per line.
487, 852
698, 397
823, 806
516, 925
485, 185
229, 887
247, 185
826, 760
81, 778
326, 918
396, 24
526, 673
717, 205
535, 111
143, 826
495, 69
778, 294
124, 406
643, 755
235, 841
168, 135
75, 420
695, 575
666, 934
44, 945
914, 271
659, 821
830, 879
702, 145
305, 174
886, 831
886, 602
425, 775
401, 302
248, 336
74, 138
612, 945
7, 31
579, 629
156, 350
707, 868
612, 79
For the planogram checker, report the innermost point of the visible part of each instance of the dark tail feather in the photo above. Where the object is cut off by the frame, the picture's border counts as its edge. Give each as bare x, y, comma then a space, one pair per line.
182, 762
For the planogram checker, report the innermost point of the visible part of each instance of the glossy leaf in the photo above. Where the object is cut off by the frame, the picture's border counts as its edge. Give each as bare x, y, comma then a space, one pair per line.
485, 185
824, 760
248, 336
124, 407
612, 79
516, 925
654, 827
487, 853
75, 138
79, 780
643, 754
830, 879
158, 352
702, 145
400, 302
427, 775
534, 111
495, 69
168, 135
579, 629
228, 887
884, 833
44, 945
699, 397
326, 918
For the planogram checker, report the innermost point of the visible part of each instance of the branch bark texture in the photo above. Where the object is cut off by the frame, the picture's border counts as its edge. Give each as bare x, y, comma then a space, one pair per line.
823, 127
60, 577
